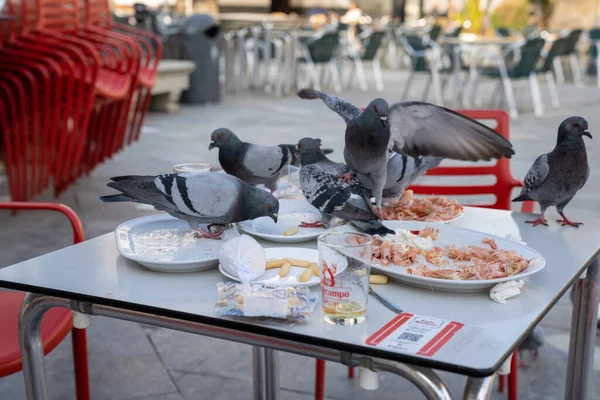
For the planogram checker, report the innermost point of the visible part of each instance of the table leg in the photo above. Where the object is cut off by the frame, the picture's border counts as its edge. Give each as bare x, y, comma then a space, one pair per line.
583, 335
265, 365
30, 341
478, 388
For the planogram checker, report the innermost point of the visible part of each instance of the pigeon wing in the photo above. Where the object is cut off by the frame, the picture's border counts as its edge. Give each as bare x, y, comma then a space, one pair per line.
266, 161
424, 129
537, 174
204, 195
343, 108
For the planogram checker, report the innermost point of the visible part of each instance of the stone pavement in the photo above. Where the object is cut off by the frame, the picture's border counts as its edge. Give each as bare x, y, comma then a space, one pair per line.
132, 361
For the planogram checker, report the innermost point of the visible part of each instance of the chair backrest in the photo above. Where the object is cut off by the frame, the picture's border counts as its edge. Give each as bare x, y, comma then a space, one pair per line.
63, 15
502, 31
594, 35
323, 49
455, 33
531, 52
571, 42
97, 13
415, 47
558, 47
434, 32
373, 45
505, 182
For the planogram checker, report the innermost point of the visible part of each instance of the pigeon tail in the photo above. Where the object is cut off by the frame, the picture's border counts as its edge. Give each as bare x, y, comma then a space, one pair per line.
308, 94
521, 197
116, 198
373, 227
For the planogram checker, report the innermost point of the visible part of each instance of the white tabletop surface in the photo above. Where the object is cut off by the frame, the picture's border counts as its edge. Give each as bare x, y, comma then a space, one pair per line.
94, 271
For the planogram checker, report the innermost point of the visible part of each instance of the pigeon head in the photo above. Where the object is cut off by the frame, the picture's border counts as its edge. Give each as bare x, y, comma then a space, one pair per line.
573, 127
309, 150
377, 112
260, 203
222, 137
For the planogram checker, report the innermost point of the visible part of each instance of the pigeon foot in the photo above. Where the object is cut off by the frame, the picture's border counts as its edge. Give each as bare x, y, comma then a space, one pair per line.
567, 222
539, 221
317, 224
346, 177
210, 234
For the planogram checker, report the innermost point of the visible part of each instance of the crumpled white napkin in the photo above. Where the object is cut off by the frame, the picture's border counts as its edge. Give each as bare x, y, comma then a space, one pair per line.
505, 290
243, 257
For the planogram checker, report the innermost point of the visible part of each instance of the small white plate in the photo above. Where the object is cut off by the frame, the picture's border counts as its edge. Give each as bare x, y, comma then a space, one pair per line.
165, 244
460, 237
291, 213
272, 277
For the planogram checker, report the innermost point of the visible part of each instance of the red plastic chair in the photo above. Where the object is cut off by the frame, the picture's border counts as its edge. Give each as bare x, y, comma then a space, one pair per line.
501, 189
56, 324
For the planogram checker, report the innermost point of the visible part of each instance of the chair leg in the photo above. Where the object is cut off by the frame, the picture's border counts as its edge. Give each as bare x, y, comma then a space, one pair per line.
576, 69
510, 97
598, 63
437, 87
320, 380
360, 73
350, 372
552, 89
377, 74
407, 86
501, 382
80, 361
427, 88
335, 77
513, 389
536, 95
558, 70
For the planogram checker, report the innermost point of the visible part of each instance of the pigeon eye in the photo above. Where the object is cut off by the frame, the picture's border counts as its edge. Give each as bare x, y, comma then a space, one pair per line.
220, 136
268, 206
575, 125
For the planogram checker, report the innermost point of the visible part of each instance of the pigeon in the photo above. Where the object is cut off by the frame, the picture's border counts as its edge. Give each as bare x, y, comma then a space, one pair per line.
555, 177
411, 128
252, 163
531, 344
403, 171
323, 188
197, 198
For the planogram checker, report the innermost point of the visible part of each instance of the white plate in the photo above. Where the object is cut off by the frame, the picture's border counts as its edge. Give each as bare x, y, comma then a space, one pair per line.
166, 244
272, 277
291, 213
460, 237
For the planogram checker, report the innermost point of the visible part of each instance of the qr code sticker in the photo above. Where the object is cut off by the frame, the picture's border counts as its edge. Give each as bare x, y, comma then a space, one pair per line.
410, 337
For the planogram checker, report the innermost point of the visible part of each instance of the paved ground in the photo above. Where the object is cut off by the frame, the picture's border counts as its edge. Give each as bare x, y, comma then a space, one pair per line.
131, 361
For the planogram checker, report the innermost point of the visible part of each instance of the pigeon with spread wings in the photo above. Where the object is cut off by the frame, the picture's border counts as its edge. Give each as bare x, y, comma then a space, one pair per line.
412, 128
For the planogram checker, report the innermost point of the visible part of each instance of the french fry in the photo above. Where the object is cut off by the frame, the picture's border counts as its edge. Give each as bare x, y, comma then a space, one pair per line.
275, 263
298, 263
378, 279
285, 268
315, 269
305, 276
291, 231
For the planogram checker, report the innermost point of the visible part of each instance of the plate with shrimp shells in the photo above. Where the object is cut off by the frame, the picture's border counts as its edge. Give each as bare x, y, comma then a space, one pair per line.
432, 209
452, 259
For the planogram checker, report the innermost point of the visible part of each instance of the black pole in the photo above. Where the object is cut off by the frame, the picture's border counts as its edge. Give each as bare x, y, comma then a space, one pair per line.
280, 6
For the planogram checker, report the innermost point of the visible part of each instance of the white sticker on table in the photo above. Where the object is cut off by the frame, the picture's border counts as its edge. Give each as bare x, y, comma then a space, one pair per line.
416, 334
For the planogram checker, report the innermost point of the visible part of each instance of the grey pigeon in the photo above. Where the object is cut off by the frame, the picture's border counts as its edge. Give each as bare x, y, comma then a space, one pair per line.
197, 198
531, 344
252, 163
325, 190
403, 171
555, 177
411, 128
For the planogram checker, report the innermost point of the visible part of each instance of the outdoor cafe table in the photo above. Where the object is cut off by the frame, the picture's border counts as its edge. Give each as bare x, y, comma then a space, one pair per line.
92, 278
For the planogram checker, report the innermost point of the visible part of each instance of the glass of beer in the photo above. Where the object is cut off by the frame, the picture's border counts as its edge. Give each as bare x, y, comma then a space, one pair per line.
191, 167
345, 265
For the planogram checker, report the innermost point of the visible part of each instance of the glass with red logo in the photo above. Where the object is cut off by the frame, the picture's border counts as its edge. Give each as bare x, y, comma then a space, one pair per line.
345, 265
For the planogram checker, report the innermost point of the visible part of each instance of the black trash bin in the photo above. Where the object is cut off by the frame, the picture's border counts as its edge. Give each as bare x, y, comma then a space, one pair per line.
200, 43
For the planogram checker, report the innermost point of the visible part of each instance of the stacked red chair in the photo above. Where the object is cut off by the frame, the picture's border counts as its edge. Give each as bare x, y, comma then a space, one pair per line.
67, 88
501, 189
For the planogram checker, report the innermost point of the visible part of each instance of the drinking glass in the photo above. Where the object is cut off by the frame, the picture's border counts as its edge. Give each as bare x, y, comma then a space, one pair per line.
345, 265
191, 167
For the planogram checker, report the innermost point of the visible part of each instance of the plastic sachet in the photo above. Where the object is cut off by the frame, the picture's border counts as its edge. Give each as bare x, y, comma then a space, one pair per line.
264, 300
243, 257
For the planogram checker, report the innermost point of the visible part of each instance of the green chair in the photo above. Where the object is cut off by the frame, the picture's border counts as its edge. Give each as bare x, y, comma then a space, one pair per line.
547, 67
569, 51
594, 61
523, 67
426, 58
320, 51
372, 44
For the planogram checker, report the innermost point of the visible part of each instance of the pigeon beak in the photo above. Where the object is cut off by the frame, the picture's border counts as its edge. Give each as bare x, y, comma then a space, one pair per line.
211, 145
586, 133
274, 216
383, 117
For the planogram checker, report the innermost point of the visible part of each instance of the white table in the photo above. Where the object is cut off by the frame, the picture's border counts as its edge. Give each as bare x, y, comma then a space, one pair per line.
94, 279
